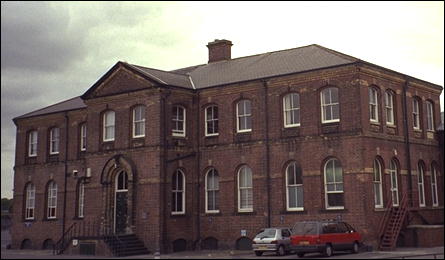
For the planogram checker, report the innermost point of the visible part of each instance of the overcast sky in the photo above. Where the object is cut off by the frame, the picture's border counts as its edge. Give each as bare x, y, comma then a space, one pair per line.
54, 51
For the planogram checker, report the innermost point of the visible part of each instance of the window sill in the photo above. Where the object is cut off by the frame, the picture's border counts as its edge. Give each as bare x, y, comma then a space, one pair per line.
374, 123
330, 122
391, 125
177, 215
245, 213
211, 135
293, 212
333, 210
211, 214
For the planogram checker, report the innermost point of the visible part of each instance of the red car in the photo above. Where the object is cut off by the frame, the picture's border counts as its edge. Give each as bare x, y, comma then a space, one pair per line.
324, 237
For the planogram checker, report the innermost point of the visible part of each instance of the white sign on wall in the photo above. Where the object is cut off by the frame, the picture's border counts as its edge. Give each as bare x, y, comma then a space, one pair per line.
243, 232
75, 242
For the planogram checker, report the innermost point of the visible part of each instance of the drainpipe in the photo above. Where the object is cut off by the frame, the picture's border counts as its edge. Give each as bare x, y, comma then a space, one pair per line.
266, 120
163, 168
66, 176
407, 143
198, 172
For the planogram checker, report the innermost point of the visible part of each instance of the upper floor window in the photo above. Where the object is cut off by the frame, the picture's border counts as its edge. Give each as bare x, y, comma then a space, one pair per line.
416, 114
30, 201
333, 177
178, 192
54, 140
378, 188
83, 137
32, 144
211, 115
373, 105
329, 105
389, 107
291, 108
421, 185
244, 116
245, 189
139, 121
429, 116
52, 200
212, 191
294, 187
434, 186
178, 118
109, 126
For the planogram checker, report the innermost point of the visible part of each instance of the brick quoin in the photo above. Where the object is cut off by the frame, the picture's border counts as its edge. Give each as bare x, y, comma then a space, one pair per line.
152, 160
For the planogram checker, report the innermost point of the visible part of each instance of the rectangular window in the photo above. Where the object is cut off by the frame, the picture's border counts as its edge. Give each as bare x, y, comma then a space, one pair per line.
389, 106
291, 108
32, 147
416, 120
430, 116
329, 105
244, 116
139, 121
81, 200
211, 126
334, 185
212, 191
373, 106
245, 190
109, 121
30, 201
178, 119
378, 189
54, 141
178, 193
52, 201
83, 137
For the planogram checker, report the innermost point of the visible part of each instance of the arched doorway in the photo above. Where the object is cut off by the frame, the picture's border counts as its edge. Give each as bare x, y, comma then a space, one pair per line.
121, 203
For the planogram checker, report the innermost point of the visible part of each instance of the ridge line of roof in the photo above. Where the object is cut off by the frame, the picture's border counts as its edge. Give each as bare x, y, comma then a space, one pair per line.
165, 71
147, 73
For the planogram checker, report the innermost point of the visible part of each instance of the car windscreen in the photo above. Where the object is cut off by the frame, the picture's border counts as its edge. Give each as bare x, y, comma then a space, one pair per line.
266, 233
305, 228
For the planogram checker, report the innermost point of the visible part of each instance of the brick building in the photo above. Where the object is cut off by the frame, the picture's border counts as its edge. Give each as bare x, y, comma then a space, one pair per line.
205, 156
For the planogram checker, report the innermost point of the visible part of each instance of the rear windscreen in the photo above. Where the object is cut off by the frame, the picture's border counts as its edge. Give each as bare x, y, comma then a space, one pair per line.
266, 233
305, 228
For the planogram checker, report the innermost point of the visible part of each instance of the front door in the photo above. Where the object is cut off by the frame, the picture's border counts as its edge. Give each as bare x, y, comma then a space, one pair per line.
121, 203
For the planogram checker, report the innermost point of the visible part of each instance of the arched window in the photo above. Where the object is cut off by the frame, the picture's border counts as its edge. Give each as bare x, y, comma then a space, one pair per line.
122, 181
416, 114
378, 189
211, 125
212, 191
32, 144
329, 105
52, 200
421, 184
30, 201
139, 121
434, 185
430, 116
291, 110
333, 177
54, 137
245, 189
373, 105
178, 192
244, 116
294, 187
81, 199
389, 107
394, 183
178, 119
109, 126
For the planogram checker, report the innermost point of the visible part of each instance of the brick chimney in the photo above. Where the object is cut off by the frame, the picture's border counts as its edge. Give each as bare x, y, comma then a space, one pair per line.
219, 50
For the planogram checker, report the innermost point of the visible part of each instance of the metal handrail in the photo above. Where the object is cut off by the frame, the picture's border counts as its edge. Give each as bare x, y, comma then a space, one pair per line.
385, 217
59, 246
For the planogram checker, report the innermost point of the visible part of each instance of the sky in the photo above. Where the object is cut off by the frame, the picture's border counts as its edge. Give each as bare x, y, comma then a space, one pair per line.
53, 51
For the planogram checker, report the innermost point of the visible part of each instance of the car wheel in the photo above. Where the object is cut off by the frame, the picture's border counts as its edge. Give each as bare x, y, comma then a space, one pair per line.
258, 253
328, 250
281, 251
355, 248
300, 254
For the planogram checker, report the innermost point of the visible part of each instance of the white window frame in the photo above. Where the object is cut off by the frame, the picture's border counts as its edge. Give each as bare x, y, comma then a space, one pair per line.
416, 114
394, 188
30, 202
429, 116
335, 183
421, 184
175, 119
81, 205
213, 120
109, 125
245, 169
214, 190
83, 137
295, 185
175, 190
289, 110
373, 105
137, 121
389, 108
378, 183
54, 140
434, 193
239, 116
331, 105
52, 200
32, 143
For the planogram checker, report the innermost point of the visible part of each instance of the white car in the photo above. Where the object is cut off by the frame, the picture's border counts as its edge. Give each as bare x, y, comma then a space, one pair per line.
272, 240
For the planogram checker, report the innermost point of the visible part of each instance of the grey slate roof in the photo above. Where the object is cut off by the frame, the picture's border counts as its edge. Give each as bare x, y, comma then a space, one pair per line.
67, 105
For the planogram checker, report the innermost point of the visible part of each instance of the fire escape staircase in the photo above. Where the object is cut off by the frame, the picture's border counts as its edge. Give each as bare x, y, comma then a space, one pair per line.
391, 224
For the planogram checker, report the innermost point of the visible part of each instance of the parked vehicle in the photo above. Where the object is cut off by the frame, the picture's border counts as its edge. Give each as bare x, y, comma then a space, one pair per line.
272, 240
324, 237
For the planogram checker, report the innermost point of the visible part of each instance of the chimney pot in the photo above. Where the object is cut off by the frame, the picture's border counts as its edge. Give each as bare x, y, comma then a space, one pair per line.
219, 50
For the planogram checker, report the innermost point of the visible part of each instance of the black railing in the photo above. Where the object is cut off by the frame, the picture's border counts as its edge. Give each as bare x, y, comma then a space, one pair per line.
83, 229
